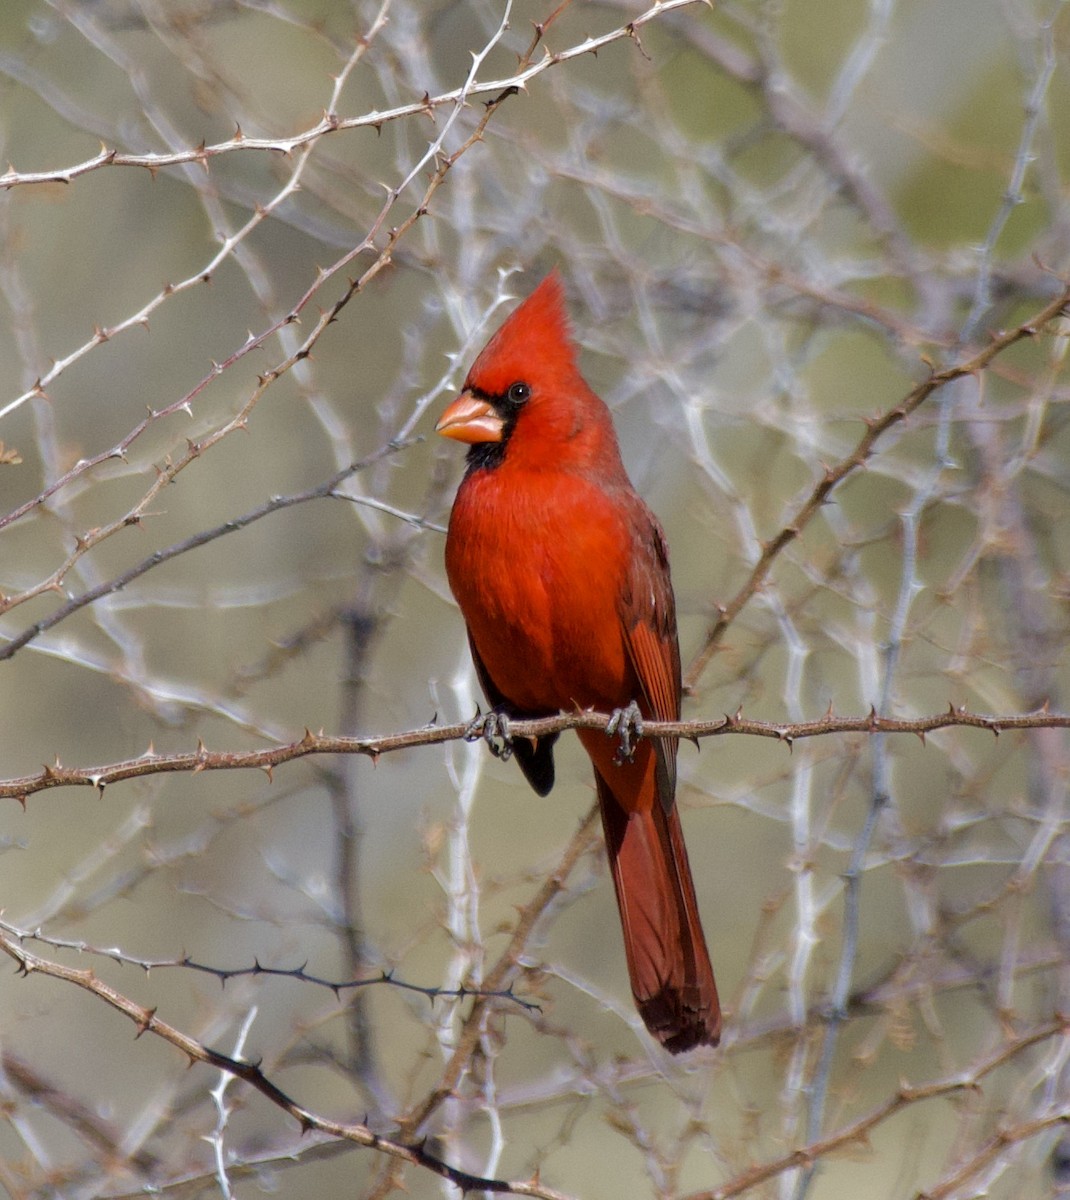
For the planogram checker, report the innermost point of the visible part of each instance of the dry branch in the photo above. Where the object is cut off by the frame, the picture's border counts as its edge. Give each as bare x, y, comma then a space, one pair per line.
203, 759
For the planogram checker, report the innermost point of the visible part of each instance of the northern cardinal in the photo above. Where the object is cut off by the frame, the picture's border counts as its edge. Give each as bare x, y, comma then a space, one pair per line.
562, 576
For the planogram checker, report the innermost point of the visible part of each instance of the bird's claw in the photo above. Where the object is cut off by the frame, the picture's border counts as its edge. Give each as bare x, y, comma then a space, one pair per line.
627, 724
492, 728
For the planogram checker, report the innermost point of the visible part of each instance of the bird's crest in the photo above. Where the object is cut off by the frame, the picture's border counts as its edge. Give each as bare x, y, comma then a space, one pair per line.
535, 340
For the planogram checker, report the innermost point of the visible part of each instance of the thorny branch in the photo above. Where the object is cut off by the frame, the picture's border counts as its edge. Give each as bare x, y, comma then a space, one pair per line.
858, 1132
856, 460
147, 1021
299, 974
172, 468
328, 488
456, 98
331, 122
203, 759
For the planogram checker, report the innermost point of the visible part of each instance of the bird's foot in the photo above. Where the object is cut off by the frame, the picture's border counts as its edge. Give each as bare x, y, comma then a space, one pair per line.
492, 728
627, 724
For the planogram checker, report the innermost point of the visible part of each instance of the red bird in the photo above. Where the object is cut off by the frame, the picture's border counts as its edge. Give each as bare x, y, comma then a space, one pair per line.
562, 575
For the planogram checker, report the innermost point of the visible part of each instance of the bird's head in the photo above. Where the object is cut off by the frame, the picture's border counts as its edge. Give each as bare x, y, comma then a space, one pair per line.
526, 375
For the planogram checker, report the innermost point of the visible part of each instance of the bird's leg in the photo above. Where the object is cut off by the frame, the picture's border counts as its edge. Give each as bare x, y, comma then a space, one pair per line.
627, 724
493, 728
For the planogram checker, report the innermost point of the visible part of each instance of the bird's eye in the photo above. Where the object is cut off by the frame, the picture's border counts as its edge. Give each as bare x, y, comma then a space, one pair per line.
518, 393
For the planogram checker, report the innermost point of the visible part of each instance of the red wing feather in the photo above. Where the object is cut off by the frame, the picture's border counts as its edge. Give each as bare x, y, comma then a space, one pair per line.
648, 614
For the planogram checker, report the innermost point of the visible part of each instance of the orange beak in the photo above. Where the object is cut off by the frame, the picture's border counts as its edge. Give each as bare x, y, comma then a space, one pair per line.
469, 419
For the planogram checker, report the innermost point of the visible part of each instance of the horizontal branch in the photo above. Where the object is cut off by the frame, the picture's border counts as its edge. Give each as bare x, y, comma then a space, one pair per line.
433, 734
299, 974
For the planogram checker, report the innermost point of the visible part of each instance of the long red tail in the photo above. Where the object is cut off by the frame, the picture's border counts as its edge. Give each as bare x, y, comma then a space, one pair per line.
671, 976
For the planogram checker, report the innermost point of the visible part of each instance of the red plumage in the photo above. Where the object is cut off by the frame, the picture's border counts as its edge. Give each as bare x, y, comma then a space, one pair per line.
561, 573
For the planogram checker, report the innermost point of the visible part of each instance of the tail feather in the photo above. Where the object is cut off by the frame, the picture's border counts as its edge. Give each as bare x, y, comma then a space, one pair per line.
669, 965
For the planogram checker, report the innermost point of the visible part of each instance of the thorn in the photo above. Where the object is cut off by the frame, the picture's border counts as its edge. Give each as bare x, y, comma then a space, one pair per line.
633, 33
144, 1023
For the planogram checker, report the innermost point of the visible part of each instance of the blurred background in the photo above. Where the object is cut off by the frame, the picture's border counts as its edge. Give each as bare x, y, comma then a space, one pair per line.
221, 523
